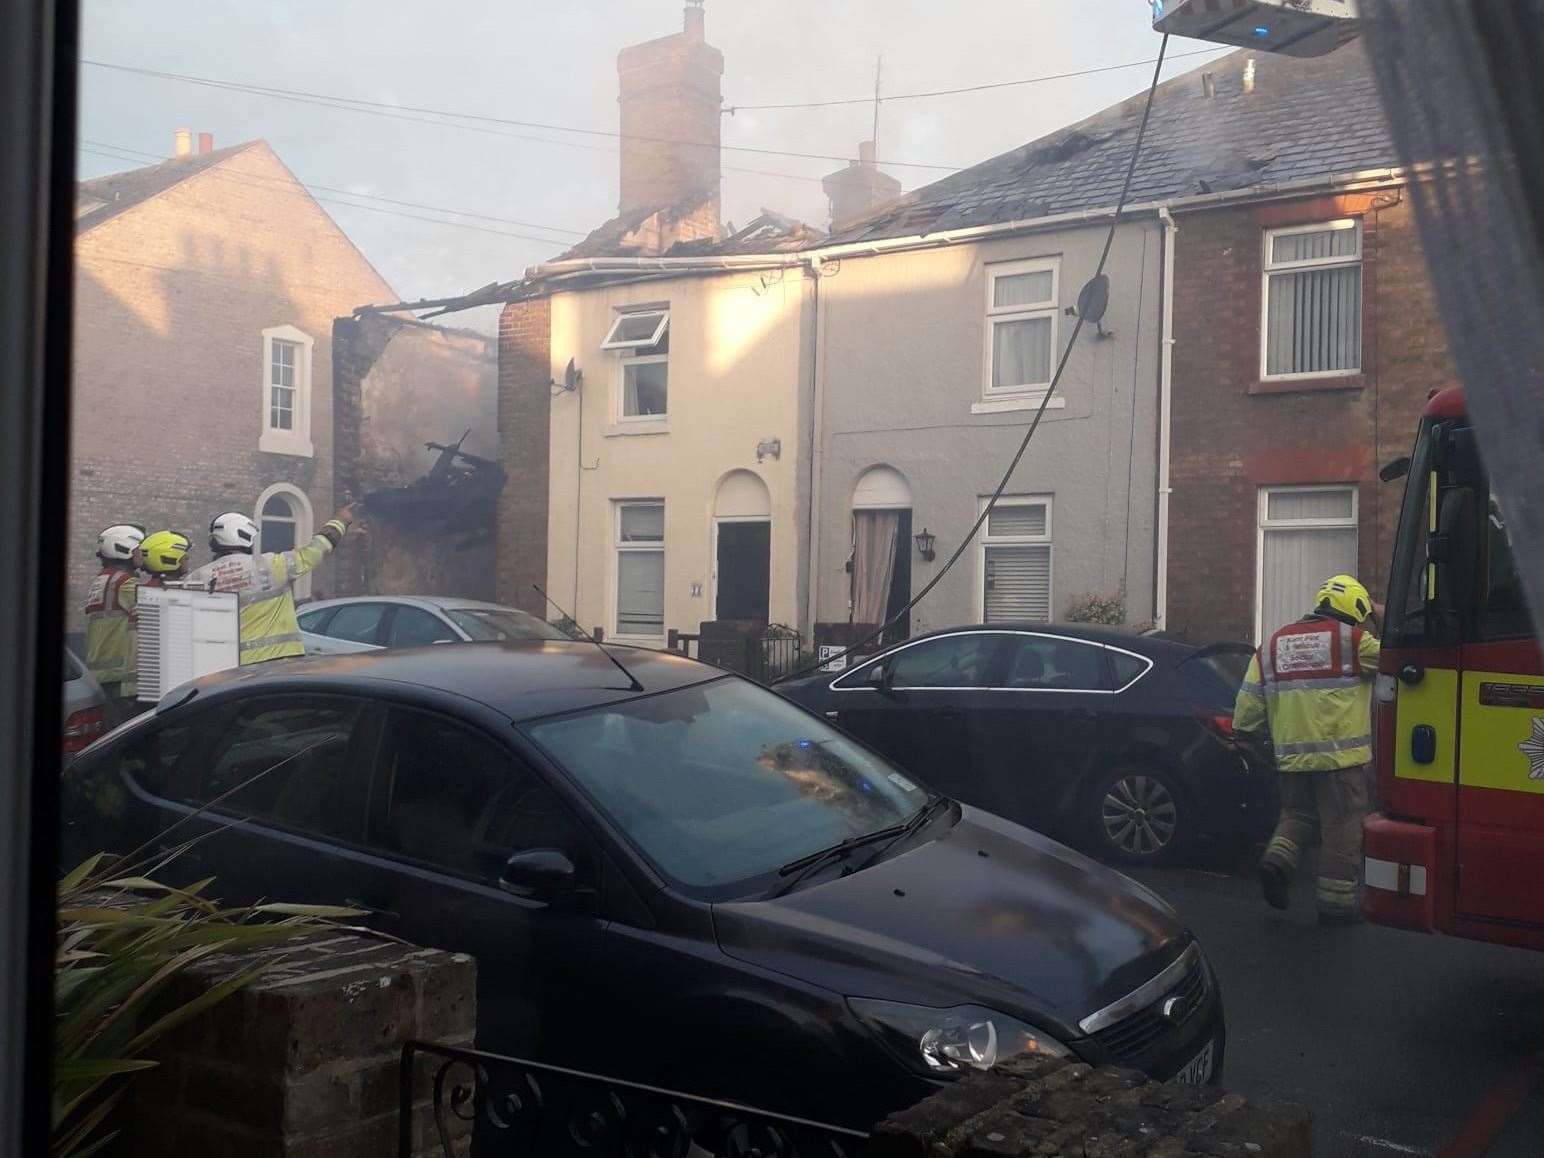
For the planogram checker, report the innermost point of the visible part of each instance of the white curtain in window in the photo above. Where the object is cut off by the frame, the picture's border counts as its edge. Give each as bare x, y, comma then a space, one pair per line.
1313, 246
1335, 504
1314, 320
1293, 566
1021, 352
1018, 581
641, 593
873, 563
1023, 289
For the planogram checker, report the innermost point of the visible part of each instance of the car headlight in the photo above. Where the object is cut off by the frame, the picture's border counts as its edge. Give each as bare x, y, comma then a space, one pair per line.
946, 1042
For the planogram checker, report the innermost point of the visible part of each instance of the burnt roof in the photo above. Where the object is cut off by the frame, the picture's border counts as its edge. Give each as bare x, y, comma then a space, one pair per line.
1307, 117
103, 198
769, 232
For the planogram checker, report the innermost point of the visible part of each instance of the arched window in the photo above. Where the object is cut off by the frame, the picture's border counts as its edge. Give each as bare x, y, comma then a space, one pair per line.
283, 518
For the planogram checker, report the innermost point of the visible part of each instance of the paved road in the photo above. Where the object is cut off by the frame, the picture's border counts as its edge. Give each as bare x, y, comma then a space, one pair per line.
1398, 1041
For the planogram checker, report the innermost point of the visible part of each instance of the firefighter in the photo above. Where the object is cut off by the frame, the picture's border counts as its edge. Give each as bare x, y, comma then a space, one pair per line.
1310, 688
164, 555
264, 584
109, 616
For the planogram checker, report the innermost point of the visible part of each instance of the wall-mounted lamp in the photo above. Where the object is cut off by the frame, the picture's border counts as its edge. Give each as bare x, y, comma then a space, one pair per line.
925, 541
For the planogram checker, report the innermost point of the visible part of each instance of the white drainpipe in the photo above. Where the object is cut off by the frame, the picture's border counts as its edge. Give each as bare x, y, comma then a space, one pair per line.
1165, 397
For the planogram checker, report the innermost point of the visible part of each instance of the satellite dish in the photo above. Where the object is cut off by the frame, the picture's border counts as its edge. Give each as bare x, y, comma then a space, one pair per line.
572, 376
1094, 299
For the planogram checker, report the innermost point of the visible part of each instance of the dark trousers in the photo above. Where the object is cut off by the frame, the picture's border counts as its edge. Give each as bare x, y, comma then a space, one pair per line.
1331, 806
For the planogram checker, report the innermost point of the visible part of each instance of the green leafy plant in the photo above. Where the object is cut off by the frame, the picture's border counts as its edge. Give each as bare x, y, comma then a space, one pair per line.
123, 940
1093, 607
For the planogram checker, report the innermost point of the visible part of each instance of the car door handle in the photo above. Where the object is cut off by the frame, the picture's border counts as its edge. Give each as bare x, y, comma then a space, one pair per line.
833, 715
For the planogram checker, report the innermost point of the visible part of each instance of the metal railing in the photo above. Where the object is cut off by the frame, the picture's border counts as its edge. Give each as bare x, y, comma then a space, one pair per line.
763, 652
510, 1106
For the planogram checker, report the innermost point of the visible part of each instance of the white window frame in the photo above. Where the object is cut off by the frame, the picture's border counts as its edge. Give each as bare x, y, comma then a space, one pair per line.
1030, 393
1270, 268
983, 541
612, 342
618, 547
1264, 523
305, 521
274, 440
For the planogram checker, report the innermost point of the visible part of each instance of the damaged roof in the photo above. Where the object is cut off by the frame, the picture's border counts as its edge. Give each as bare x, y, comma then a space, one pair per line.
103, 198
668, 231
1306, 118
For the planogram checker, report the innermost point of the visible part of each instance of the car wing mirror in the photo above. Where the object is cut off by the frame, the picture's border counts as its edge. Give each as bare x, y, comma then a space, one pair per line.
538, 874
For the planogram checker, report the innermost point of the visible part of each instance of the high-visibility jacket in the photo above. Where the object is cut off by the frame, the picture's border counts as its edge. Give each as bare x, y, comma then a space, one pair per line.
109, 615
1310, 686
264, 589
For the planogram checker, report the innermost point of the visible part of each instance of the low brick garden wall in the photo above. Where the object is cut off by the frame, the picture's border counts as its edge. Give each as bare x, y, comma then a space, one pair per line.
1045, 1107
305, 1061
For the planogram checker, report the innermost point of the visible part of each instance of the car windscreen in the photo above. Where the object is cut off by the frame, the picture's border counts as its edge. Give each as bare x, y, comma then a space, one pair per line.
724, 782
497, 623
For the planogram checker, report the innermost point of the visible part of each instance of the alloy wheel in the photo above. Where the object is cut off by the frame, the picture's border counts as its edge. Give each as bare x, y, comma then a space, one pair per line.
1139, 815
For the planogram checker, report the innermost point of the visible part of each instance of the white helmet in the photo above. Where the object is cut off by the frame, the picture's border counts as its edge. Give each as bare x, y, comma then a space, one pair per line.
119, 542
232, 531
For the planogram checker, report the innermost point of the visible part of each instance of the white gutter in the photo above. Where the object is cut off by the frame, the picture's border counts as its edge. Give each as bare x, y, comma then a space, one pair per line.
1165, 400
745, 262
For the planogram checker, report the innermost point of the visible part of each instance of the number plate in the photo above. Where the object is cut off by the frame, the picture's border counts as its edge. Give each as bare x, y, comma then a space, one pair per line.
1198, 1070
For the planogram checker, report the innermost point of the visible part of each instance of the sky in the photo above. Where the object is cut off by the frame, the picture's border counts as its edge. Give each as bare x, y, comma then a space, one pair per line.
554, 62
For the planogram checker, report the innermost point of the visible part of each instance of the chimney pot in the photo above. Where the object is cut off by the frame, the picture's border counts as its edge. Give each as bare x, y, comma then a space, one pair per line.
1249, 75
694, 23
206, 142
866, 153
182, 142
1208, 84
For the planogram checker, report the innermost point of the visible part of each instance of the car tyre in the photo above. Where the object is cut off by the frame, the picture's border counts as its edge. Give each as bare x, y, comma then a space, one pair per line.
1137, 815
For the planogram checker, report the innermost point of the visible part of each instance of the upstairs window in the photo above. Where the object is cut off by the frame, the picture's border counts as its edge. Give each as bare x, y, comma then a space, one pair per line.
641, 339
286, 392
1312, 301
1021, 326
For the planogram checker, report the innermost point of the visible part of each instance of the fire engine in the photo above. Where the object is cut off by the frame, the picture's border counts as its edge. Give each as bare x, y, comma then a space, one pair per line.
1458, 707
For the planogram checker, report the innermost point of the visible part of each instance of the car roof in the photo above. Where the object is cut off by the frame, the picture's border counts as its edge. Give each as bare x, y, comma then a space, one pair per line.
520, 679
439, 602
1129, 638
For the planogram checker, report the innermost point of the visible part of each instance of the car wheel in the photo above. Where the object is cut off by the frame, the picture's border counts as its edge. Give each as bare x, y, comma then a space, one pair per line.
1137, 816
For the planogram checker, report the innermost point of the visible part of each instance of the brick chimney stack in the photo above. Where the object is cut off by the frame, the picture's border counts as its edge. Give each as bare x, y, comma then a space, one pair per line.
858, 188
671, 100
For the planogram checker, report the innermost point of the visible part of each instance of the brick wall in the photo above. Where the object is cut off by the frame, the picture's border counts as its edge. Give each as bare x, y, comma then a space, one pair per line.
171, 300
305, 1061
1232, 434
524, 422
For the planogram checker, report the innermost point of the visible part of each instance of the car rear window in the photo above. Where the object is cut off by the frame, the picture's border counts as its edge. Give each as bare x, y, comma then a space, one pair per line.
1216, 673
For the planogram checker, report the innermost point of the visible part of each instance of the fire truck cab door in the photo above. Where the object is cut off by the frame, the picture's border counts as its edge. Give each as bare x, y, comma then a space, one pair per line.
1501, 743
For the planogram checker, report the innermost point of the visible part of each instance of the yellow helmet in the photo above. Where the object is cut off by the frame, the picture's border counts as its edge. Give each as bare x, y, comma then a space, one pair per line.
1341, 593
164, 552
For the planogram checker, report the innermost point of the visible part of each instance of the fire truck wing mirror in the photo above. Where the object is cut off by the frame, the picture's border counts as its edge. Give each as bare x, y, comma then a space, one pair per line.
1396, 469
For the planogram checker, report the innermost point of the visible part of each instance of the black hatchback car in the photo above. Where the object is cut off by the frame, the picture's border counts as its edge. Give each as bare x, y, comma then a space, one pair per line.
1119, 741
671, 874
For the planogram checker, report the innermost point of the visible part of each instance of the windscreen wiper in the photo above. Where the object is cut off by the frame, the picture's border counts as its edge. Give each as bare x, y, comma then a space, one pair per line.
918, 821
802, 868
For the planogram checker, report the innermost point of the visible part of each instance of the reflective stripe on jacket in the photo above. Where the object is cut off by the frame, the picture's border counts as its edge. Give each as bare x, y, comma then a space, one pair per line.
1310, 686
109, 615
263, 585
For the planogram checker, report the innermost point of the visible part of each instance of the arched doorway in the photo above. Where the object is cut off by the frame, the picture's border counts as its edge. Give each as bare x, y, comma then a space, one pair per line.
881, 550
283, 518
742, 548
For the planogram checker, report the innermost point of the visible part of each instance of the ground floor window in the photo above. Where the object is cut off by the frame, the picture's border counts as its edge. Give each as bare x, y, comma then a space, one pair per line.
640, 569
1015, 561
1306, 534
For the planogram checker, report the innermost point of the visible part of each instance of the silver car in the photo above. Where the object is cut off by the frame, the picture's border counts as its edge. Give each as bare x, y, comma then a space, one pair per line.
85, 707
369, 622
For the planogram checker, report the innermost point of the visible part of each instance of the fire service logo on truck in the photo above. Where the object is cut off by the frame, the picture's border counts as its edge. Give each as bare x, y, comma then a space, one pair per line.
1533, 748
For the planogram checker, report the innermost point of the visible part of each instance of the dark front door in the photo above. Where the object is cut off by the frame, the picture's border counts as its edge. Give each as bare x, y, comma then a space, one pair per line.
448, 807
744, 570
